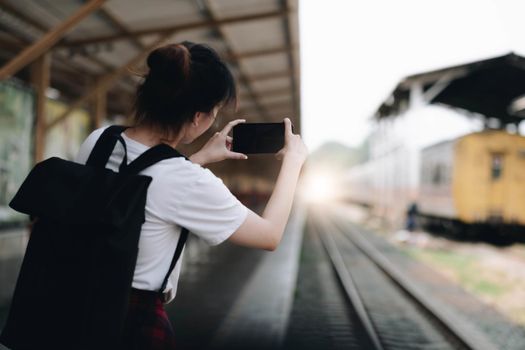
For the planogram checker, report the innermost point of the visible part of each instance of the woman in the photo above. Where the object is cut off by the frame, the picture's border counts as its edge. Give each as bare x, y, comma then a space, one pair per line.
177, 101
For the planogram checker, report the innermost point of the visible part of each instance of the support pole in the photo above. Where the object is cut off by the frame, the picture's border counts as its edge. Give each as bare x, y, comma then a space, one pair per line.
40, 77
48, 40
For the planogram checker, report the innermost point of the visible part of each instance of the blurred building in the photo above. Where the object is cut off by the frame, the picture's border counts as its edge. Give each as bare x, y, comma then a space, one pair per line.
428, 108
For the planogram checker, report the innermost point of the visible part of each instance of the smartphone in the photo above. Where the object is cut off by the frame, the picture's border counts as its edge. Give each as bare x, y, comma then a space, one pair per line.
253, 138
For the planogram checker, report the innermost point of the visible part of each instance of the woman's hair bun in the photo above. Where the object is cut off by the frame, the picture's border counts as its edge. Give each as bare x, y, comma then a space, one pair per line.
171, 62
183, 79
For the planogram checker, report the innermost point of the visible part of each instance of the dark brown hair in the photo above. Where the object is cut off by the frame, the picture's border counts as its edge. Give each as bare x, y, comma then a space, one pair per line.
183, 79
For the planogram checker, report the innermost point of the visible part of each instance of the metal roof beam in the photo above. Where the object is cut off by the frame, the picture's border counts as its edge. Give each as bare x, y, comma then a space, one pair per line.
20, 43
5, 6
48, 40
17, 45
116, 22
263, 52
176, 28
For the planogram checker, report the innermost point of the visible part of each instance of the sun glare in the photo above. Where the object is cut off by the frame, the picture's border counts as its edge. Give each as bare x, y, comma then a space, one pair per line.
318, 187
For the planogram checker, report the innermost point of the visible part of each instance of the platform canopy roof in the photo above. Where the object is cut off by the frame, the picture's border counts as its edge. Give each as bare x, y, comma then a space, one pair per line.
494, 88
258, 38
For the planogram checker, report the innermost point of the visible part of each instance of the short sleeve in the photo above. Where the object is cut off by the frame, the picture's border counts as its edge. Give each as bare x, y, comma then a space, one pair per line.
207, 208
88, 144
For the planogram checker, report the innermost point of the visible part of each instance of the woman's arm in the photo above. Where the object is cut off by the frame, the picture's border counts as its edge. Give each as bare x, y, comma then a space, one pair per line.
265, 232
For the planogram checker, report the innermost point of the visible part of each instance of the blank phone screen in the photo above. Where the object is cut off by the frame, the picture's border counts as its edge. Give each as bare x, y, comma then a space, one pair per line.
251, 138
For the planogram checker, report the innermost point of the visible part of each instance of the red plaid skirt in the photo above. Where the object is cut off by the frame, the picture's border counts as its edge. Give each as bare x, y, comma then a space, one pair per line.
147, 325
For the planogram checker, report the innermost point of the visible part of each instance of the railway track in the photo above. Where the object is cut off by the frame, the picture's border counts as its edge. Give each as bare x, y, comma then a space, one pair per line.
391, 308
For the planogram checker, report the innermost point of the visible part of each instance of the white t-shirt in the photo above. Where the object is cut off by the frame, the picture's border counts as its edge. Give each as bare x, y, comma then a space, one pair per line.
181, 194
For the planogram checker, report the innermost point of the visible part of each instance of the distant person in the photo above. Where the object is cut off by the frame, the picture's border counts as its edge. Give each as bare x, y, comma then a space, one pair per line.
178, 100
411, 217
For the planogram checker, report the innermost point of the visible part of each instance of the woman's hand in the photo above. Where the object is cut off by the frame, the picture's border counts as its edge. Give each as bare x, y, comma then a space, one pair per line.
218, 147
294, 147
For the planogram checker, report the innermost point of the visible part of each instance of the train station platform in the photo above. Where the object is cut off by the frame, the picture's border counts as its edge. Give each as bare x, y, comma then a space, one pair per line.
237, 297
331, 284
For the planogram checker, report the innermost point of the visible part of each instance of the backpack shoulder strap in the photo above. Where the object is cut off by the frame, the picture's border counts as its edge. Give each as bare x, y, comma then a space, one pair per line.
148, 158
151, 156
104, 146
178, 251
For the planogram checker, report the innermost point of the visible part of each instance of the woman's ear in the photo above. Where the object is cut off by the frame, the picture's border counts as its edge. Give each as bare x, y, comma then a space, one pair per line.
196, 119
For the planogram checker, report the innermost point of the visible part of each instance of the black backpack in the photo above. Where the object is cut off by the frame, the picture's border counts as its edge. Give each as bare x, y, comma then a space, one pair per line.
73, 287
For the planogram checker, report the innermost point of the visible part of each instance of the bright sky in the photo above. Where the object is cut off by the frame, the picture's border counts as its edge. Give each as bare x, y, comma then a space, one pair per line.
353, 54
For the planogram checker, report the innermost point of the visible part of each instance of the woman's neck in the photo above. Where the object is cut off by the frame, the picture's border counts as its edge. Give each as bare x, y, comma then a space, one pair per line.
149, 137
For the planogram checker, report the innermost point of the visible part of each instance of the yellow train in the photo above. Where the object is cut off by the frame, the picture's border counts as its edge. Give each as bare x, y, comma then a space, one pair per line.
477, 180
